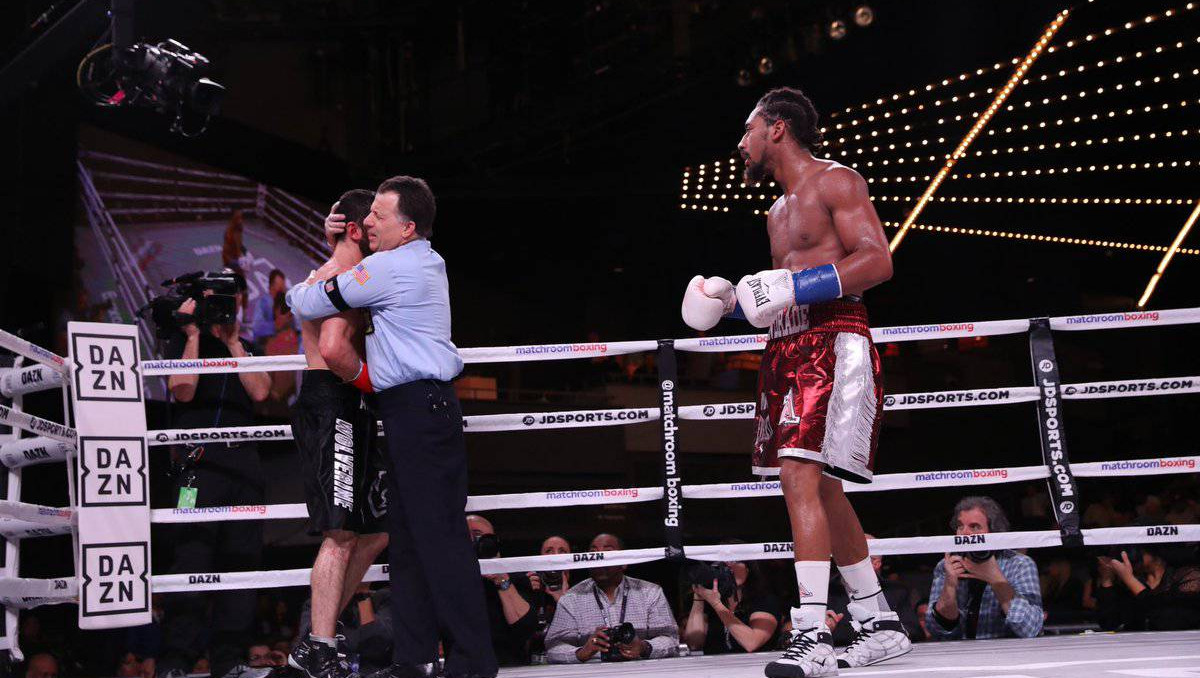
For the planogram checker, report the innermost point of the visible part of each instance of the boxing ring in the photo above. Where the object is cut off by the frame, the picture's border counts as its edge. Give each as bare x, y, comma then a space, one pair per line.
53, 442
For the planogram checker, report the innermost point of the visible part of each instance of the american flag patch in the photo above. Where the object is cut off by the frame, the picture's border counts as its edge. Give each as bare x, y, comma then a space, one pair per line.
361, 275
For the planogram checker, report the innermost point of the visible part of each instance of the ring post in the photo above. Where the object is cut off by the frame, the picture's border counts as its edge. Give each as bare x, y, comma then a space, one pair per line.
672, 501
1064, 491
113, 482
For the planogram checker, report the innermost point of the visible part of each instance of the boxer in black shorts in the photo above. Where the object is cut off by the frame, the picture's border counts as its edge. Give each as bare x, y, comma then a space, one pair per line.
343, 465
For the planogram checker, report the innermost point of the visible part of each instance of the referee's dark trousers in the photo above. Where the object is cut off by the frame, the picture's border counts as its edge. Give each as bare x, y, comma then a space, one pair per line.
436, 586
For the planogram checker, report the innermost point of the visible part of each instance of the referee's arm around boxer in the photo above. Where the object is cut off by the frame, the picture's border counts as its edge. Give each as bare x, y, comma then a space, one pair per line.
436, 586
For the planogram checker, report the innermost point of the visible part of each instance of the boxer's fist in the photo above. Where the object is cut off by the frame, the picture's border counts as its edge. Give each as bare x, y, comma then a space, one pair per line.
705, 302
764, 295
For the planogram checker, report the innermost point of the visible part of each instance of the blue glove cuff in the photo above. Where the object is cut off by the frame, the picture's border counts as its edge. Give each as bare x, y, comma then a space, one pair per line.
814, 285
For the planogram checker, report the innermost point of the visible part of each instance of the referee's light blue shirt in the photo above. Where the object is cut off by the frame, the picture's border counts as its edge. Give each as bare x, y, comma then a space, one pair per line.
409, 298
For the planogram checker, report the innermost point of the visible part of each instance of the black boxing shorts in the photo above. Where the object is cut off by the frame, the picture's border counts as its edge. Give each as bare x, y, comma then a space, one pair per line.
345, 472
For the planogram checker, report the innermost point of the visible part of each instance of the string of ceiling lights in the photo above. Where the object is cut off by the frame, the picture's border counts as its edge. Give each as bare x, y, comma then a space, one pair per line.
1038, 200
1069, 44
1066, 240
1050, 171
715, 175
1012, 150
1101, 63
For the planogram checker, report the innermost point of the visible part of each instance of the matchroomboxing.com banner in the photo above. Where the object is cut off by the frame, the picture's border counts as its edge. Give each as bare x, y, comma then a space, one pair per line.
881, 482
510, 354
1136, 467
1131, 388
1109, 321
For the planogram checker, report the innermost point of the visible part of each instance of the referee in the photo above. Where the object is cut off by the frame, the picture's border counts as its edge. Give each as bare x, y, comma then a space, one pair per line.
436, 585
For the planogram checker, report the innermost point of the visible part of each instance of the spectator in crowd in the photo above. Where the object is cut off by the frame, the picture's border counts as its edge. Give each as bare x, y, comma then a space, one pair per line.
1104, 513
745, 621
42, 665
264, 319
921, 633
216, 474
604, 601
548, 588
898, 596
260, 655
365, 627
232, 247
974, 596
1062, 593
1149, 587
1182, 506
1035, 507
131, 665
512, 620
1151, 510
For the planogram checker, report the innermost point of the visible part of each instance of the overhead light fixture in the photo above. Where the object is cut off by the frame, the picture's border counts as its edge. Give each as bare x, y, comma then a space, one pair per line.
765, 66
864, 16
745, 78
837, 30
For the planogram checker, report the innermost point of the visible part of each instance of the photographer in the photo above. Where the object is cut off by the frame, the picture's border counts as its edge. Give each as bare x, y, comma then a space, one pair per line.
984, 594
733, 611
512, 620
213, 474
548, 588
616, 617
1148, 587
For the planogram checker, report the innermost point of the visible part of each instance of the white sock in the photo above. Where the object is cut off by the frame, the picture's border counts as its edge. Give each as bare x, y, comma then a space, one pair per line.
812, 578
331, 642
862, 585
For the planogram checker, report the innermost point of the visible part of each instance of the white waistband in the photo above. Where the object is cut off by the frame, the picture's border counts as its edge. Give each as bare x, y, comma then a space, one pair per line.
792, 320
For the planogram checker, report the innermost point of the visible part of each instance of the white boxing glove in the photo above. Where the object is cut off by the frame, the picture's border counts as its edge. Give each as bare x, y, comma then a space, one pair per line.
706, 301
764, 295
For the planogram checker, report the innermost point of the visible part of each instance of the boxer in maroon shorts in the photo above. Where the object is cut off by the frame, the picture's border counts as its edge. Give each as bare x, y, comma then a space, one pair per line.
819, 392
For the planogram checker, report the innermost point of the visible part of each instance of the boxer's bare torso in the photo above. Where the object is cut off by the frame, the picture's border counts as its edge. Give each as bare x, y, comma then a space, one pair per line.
824, 217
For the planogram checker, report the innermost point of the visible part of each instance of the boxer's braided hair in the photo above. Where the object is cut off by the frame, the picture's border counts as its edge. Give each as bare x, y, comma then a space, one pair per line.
796, 109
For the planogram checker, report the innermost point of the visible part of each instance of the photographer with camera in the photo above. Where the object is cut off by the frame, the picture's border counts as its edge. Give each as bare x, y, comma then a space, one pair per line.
984, 594
205, 326
616, 617
512, 619
547, 588
732, 609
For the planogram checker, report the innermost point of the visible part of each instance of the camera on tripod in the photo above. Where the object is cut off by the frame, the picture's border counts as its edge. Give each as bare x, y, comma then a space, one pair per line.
215, 294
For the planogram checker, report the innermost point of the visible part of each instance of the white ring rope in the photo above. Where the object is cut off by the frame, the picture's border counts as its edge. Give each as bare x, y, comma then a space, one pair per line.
12, 590
737, 490
32, 351
29, 380
36, 513
746, 342
21, 529
28, 422
35, 450
529, 421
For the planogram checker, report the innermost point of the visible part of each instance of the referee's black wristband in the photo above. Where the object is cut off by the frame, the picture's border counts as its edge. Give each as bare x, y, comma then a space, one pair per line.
334, 292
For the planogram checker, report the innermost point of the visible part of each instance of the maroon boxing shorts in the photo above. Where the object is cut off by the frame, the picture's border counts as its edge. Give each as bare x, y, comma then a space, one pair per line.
820, 392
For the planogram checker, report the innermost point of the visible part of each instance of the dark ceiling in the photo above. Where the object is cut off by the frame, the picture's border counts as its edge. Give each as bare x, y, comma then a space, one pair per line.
555, 134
